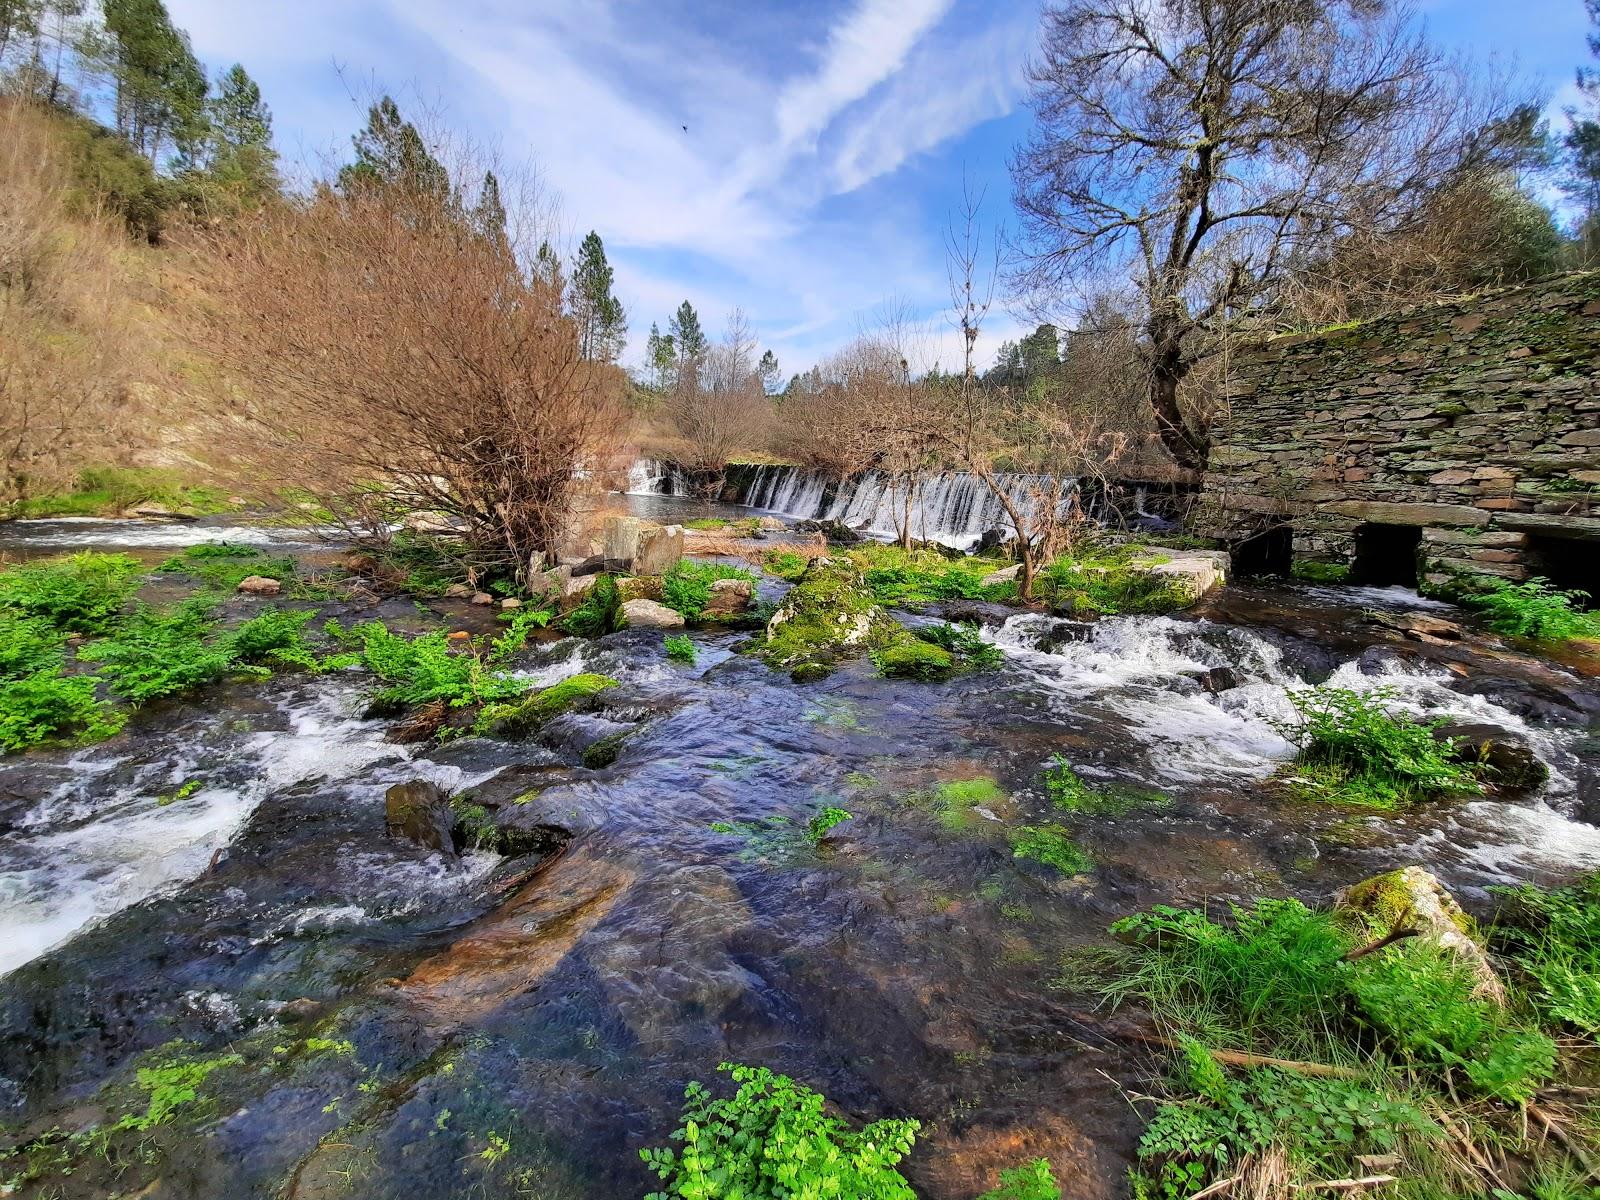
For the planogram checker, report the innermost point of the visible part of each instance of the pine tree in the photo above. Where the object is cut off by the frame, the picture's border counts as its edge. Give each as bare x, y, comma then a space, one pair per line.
488, 216
239, 165
768, 370
1583, 146
661, 355
547, 268
391, 153
602, 324
160, 86
687, 336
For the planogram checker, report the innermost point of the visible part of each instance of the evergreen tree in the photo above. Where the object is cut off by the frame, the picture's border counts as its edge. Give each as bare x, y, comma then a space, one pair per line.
661, 355
239, 165
547, 268
602, 324
391, 153
160, 87
767, 368
1583, 145
488, 216
687, 335
19, 21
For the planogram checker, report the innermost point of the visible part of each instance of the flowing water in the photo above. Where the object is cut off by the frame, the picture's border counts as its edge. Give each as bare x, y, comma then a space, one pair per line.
954, 508
902, 968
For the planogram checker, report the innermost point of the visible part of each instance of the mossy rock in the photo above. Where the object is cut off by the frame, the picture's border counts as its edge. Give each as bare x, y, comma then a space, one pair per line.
829, 616
604, 752
908, 657
577, 694
1414, 898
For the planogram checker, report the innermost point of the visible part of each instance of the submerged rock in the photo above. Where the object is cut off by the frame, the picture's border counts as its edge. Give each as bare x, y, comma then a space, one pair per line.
419, 811
729, 597
1418, 627
1414, 898
523, 717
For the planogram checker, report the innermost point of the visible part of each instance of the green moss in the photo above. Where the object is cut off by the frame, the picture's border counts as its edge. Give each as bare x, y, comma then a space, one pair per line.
1320, 572
827, 617
910, 578
1068, 792
909, 657
604, 752
524, 717
1053, 846
1110, 580
785, 564
954, 800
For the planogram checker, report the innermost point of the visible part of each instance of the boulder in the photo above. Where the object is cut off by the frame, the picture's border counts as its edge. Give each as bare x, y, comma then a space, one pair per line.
1194, 572
639, 587
834, 531
458, 591
994, 539
259, 585
621, 542
419, 811
1215, 679
482, 598
729, 597
1418, 627
592, 565
1004, 575
1414, 898
574, 589
649, 614
511, 602
1502, 760
828, 615
659, 550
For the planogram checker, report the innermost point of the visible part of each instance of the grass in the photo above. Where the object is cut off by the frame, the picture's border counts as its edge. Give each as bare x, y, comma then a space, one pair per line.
785, 564
909, 578
746, 527
1405, 1051
107, 491
598, 613
1353, 750
1108, 580
1553, 938
220, 566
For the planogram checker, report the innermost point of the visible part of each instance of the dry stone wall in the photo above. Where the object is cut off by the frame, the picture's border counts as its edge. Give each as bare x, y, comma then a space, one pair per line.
1477, 421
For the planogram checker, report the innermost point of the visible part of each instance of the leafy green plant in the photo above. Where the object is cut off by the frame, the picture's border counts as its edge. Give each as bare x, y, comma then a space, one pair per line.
428, 668
1053, 846
1359, 753
45, 707
80, 593
172, 1086
1031, 1181
1068, 792
1535, 609
680, 648
274, 637
163, 652
772, 1138
1553, 936
598, 612
686, 587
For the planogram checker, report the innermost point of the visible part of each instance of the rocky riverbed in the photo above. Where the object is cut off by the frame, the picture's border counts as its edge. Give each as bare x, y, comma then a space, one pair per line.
374, 1018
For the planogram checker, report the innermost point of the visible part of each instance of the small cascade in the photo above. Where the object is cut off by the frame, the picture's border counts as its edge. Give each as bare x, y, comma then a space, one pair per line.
955, 508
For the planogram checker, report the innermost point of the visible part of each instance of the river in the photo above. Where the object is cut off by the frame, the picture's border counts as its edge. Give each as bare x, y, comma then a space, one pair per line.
904, 967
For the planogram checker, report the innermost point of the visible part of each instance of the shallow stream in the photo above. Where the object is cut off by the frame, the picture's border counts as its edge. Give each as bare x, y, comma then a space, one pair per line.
904, 967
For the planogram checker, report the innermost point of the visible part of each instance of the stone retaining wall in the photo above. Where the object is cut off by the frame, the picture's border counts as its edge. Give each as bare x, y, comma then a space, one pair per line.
1477, 421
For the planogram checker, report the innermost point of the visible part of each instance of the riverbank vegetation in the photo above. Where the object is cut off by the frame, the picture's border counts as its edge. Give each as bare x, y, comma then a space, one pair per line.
1333, 1045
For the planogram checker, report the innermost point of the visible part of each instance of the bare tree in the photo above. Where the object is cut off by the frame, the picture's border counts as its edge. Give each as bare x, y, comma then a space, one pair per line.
395, 352
1200, 145
717, 404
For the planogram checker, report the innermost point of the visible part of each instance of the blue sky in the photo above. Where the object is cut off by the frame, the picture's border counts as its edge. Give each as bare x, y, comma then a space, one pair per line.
827, 142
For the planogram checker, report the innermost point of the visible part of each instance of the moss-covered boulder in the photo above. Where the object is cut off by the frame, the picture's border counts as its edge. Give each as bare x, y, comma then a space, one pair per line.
909, 657
829, 616
579, 693
1413, 898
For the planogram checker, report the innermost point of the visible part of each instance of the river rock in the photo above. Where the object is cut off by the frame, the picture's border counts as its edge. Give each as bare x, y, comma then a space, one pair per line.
995, 539
621, 542
648, 614
834, 531
511, 602
729, 597
1193, 572
1414, 897
592, 565
574, 589
828, 615
419, 811
659, 550
482, 598
1418, 627
1215, 679
639, 587
429, 522
259, 585
1503, 760
458, 591
1004, 575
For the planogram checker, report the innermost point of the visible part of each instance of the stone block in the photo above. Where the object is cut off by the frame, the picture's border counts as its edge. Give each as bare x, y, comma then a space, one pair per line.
621, 537
659, 550
1393, 513
648, 614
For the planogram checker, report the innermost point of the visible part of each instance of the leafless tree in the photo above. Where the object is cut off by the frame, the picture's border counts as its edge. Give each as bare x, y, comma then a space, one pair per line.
717, 404
1201, 145
392, 353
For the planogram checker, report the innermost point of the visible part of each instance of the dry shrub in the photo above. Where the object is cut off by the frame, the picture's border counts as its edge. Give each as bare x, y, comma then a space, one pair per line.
397, 355
65, 361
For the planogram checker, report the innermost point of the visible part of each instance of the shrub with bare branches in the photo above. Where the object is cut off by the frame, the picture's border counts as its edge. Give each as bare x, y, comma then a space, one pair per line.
396, 353
717, 404
64, 322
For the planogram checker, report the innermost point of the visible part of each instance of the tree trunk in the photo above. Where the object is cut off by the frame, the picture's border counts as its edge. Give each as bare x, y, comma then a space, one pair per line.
1186, 445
